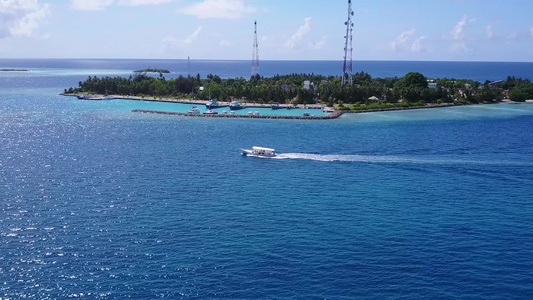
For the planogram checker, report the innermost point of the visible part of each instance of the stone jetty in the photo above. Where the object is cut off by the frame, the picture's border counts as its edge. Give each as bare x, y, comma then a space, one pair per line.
331, 116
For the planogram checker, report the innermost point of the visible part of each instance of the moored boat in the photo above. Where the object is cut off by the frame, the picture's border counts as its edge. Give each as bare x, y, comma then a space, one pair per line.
194, 110
259, 152
213, 104
210, 112
235, 105
275, 106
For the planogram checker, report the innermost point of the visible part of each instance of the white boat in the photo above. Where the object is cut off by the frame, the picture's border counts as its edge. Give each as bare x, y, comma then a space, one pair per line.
259, 152
213, 103
327, 109
194, 110
210, 112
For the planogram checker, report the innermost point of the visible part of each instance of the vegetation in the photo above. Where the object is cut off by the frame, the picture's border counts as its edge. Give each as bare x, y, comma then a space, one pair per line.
364, 93
151, 70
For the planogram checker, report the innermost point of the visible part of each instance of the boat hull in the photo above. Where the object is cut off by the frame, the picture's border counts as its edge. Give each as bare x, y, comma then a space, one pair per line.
214, 106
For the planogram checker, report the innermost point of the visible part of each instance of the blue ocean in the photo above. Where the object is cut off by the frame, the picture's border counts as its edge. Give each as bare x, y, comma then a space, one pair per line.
99, 202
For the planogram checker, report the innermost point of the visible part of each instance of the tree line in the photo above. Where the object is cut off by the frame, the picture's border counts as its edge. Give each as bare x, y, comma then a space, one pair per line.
411, 89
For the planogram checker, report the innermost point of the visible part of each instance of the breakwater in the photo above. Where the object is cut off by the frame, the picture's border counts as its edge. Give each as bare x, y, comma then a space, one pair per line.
383, 109
333, 115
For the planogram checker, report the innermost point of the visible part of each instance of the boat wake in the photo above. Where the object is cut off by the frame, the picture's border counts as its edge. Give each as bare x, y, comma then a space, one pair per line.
342, 158
398, 159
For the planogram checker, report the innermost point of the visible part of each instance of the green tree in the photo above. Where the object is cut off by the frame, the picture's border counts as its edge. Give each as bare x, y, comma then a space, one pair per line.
411, 86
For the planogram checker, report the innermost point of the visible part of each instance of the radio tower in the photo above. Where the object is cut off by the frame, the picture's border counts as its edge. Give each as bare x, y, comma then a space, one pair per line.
255, 56
348, 48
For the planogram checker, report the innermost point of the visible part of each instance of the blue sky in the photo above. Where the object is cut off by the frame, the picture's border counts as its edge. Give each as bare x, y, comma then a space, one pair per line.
442, 30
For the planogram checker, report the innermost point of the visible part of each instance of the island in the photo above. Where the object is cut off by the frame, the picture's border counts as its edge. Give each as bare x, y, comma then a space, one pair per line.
151, 70
14, 70
362, 94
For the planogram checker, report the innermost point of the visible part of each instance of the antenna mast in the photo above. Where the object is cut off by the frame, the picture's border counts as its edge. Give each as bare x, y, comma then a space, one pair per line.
255, 55
348, 48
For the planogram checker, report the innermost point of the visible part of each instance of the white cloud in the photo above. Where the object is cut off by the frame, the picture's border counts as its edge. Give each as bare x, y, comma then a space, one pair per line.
95, 5
417, 45
218, 9
318, 45
400, 42
91, 5
142, 2
299, 34
224, 43
512, 36
403, 42
457, 34
193, 36
22, 17
458, 31
172, 42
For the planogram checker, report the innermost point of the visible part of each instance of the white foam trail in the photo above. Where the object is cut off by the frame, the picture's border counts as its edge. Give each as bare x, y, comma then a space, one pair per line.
397, 159
347, 158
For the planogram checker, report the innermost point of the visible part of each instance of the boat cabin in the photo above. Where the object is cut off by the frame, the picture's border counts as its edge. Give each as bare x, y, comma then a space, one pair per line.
263, 151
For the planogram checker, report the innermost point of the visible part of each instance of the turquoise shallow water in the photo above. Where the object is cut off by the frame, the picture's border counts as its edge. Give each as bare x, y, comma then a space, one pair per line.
129, 105
98, 202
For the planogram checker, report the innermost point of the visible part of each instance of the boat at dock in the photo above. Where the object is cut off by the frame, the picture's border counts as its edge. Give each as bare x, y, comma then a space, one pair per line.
194, 110
90, 97
235, 105
259, 152
275, 106
213, 104
210, 112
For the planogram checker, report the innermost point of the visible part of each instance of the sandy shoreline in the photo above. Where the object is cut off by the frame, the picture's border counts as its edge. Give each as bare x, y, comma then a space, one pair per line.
187, 101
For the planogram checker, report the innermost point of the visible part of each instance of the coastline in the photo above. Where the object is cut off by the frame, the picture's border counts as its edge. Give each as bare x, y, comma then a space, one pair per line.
187, 101
334, 115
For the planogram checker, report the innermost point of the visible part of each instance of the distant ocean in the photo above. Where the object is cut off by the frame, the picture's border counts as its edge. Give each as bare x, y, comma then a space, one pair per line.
479, 71
99, 202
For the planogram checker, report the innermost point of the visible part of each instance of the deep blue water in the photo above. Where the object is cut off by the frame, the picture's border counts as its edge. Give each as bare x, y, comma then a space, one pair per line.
479, 71
98, 202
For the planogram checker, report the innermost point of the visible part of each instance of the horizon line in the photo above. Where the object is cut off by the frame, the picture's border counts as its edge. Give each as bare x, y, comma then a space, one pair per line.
214, 59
